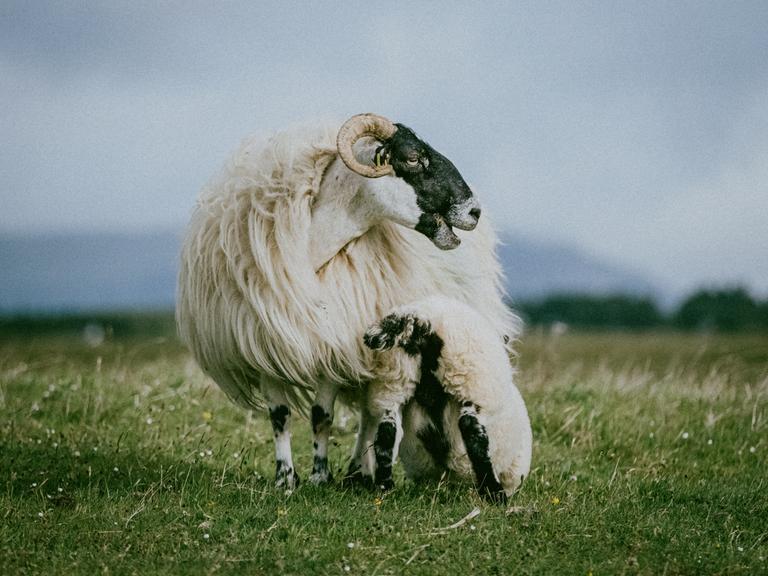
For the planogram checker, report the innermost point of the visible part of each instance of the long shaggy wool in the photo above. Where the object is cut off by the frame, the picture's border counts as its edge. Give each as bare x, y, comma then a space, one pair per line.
250, 305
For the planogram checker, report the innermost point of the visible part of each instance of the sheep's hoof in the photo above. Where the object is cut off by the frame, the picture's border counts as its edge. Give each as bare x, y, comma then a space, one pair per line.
286, 479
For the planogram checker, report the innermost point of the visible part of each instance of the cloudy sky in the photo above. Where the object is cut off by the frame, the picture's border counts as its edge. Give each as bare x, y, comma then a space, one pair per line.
637, 131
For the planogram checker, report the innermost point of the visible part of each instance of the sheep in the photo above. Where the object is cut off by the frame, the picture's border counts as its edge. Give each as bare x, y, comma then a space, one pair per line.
450, 376
303, 240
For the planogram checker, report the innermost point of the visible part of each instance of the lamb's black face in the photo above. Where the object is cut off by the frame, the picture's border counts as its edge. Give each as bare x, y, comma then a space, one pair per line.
441, 193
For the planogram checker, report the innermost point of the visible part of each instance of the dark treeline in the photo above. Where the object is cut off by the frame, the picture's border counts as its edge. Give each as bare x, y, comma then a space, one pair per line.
102, 325
730, 310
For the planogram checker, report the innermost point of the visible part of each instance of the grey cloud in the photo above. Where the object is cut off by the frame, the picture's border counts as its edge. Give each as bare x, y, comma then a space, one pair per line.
610, 125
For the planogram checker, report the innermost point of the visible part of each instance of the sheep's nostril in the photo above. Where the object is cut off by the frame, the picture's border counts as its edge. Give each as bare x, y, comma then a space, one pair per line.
475, 213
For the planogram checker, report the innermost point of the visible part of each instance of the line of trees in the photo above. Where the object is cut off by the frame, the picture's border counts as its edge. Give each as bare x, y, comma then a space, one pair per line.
729, 310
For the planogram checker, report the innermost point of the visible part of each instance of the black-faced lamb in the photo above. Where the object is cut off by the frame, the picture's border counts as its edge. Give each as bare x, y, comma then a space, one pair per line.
444, 385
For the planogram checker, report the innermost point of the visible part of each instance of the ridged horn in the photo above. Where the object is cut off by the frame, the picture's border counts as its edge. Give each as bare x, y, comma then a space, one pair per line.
354, 129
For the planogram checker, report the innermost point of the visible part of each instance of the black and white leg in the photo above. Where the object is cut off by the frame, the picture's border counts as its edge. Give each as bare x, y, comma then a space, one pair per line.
280, 417
322, 418
360, 469
475, 439
385, 445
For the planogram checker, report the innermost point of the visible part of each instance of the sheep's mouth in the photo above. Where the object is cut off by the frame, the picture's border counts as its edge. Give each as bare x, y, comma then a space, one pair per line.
444, 236
436, 227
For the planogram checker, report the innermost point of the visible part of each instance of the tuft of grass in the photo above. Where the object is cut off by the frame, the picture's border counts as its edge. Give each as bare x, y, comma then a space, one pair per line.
649, 457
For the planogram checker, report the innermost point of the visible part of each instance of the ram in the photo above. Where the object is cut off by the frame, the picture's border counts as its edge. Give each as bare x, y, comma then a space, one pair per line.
302, 241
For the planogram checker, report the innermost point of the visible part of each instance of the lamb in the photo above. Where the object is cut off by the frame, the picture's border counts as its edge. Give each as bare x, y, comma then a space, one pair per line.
301, 242
449, 374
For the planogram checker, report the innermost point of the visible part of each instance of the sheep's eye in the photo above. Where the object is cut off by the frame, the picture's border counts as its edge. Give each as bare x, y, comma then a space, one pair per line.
412, 162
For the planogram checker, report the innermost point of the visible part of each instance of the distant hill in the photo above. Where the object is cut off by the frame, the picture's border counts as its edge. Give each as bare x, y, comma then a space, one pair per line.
104, 271
537, 269
88, 271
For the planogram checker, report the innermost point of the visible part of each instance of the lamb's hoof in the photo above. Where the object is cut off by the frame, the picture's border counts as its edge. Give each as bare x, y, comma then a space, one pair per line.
385, 484
493, 496
356, 479
319, 477
286, 479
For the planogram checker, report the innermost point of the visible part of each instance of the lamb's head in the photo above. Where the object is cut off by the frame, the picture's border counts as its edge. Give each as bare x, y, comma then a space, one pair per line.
439, 196
399, 329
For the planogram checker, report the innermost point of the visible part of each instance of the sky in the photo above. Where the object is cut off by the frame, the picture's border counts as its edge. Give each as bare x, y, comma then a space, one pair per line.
637, 131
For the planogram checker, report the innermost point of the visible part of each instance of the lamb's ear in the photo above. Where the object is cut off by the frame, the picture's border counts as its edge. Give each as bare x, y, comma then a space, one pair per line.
382, 335
406, 331
414, 334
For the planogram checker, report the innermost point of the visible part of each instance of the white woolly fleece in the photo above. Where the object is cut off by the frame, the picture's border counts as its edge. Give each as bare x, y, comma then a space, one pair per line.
474, 366
250, 303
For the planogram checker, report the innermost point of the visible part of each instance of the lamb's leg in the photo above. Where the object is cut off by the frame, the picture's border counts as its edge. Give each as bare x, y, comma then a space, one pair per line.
476, 441
360, 469
280, 416
388, 435
322, 418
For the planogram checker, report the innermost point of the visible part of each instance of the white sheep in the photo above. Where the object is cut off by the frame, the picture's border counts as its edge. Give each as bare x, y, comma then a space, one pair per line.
290, 254
443, 366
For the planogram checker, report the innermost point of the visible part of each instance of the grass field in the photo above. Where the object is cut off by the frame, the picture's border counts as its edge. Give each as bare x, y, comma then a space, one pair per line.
649, 458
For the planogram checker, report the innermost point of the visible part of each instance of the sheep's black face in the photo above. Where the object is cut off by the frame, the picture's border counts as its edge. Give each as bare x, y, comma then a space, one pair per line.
443, 196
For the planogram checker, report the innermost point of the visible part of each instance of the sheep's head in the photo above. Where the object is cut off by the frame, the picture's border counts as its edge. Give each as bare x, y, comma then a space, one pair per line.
442, 197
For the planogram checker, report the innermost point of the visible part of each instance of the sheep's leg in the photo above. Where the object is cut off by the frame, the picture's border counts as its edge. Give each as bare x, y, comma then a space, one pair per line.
360, 469
322, 418
280, 416
388, 435
476, 441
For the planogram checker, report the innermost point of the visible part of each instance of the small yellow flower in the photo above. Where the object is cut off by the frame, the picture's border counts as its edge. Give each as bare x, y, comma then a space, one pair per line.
282, 512
555, 500
377, 501
207, 416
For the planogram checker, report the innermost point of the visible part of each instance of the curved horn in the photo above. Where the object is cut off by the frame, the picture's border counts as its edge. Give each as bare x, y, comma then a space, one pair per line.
354, 129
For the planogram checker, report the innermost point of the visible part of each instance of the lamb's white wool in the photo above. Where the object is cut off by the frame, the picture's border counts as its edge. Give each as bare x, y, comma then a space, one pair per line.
290, 255
472, 365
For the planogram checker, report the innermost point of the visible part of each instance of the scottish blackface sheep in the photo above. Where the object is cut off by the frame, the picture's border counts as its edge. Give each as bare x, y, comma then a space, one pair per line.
302, 241
443, 383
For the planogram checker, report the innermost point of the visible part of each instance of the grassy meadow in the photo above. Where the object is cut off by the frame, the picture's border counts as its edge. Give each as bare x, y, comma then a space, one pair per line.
649, 458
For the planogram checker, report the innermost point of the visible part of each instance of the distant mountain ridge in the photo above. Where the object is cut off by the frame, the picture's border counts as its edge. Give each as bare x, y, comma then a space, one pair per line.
106, 271
536, 269
88, 271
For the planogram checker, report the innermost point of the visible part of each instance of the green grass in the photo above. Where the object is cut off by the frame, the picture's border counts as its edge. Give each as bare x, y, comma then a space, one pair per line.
649, 458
